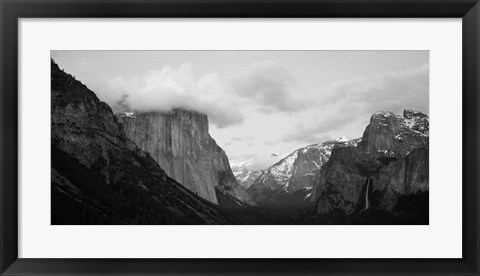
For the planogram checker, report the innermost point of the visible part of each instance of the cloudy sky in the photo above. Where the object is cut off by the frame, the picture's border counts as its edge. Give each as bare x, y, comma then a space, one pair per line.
260, 102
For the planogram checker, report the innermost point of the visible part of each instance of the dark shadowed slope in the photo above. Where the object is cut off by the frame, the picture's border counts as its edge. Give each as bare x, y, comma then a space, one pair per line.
101, 177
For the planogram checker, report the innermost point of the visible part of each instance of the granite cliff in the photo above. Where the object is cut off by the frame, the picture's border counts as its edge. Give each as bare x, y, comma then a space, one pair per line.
99, 176
180, 143
165, 168
390, 163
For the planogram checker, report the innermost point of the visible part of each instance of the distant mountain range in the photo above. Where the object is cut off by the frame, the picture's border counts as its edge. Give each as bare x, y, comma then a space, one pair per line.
165, 168
244, 175
386, 166
294, 174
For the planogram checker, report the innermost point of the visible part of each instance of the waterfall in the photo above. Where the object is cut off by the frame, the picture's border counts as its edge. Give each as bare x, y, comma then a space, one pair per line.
366, 194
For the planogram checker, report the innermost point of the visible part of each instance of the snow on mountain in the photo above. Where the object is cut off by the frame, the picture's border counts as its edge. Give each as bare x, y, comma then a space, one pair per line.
417, 122
411, 121
392, 159
297, 171
241, 164
342, 139
242, 172
282, 170
395, 135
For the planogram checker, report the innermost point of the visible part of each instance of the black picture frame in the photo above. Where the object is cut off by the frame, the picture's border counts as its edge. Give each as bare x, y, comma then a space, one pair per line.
12, 10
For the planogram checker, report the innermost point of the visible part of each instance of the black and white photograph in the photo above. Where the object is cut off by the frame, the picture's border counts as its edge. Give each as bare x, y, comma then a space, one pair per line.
165, 137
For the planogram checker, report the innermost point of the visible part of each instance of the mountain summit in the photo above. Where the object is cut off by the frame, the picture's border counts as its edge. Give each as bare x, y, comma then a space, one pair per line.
180, 143
294, 173
388, 168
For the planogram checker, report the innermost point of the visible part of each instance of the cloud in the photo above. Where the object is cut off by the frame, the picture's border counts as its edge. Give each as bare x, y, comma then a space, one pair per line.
275, 154
306, 135
270, 85
393, 91
243, 138
168, 88
348, 105
263, 86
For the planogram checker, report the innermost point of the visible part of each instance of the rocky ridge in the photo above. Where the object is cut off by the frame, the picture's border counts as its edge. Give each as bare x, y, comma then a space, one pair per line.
99, 176
390, 161
295, 173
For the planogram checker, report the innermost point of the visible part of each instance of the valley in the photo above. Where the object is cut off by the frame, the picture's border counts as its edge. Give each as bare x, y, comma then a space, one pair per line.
164, 167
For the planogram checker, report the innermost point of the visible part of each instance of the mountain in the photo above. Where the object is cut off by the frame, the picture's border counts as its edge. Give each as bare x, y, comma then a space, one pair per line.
244, 175
180, 143
99, 176
394, 133
295, 174
388, 168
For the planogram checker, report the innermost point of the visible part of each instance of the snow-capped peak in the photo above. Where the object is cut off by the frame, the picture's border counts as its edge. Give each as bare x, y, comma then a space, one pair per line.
416, 121
284, 166
383, 113
242, 172
283, 170
241, 163
342, 139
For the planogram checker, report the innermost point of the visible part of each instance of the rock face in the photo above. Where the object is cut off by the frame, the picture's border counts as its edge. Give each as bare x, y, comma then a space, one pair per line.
99, 176
404, 176
180, 143
295, 174
390, 161
397, 134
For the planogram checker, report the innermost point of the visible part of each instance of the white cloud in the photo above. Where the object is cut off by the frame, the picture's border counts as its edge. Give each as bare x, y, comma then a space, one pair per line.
271, 86
283, 99
264, 86
390, 90
348, 105
168, 88
341, 108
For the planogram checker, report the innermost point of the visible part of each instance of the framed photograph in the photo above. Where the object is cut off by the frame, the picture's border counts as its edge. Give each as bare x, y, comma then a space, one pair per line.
241, 138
